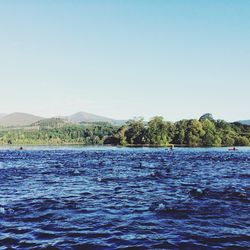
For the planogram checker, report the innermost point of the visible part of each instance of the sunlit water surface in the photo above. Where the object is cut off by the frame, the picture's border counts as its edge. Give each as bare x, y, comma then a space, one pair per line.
120, 198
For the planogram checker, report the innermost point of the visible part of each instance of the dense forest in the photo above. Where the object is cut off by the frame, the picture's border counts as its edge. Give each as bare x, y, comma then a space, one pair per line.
205, 132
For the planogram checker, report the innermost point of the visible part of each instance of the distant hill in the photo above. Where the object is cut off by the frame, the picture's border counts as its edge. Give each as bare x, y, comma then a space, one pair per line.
2, 115
18, 119
15, 120
245, 122
51, 123
88, 117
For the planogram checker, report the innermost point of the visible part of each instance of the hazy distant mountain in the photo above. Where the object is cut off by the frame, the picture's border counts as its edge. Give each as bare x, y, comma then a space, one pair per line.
18, 119
246, 122
87, 117
24, 119
2, 115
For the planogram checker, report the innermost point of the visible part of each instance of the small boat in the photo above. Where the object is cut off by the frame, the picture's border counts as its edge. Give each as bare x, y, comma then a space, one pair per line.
233, 149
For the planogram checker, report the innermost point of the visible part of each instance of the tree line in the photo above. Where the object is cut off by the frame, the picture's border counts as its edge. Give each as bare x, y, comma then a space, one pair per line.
202, 132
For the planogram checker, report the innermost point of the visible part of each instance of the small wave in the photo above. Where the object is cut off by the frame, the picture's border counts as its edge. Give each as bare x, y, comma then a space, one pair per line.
228, 193
8, 241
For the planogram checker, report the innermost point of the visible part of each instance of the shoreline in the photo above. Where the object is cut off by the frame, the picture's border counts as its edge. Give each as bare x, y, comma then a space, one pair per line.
169, 147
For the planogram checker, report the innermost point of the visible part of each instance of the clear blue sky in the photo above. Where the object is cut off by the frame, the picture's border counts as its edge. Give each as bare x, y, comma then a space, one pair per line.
121, 59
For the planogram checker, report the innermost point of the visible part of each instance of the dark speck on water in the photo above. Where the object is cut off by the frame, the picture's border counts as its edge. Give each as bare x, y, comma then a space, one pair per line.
120, 198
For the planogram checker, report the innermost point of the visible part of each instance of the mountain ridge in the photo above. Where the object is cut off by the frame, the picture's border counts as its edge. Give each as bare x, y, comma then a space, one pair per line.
88, 117
19, 119
245, 122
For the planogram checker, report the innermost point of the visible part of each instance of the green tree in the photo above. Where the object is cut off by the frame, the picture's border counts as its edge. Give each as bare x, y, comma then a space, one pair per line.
211, 137
159, 132
194, 133
135, 133
207, 116
242, 141
122, 135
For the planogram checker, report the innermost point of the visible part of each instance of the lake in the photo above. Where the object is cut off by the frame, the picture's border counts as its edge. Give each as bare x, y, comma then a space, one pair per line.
124, 198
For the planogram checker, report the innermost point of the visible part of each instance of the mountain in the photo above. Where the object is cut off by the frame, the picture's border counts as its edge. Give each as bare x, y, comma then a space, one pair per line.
245, 122
2, 115
23, 119
18, 119
88, 117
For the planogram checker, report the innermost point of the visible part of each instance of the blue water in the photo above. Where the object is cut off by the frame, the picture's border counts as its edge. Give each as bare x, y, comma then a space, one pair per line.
119, 198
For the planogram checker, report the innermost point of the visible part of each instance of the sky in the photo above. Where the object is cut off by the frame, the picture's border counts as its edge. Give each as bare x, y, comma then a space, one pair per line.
124, 59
